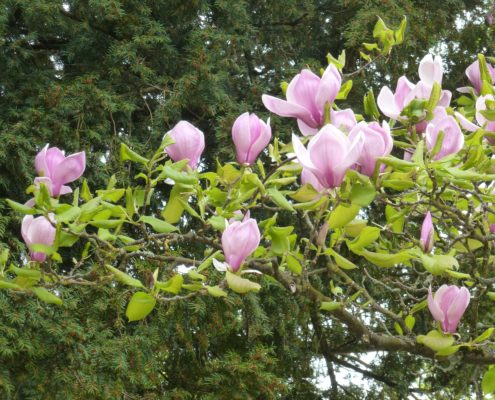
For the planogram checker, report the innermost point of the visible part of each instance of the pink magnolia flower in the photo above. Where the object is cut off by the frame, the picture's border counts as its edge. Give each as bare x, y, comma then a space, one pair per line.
392, 104
250, 135
345, 120
453, 139
430, 71
427, 234
329, 154
189, 143
474, 75
239, 240
448, 305
37, 231
378, 142
307, 95
56, 169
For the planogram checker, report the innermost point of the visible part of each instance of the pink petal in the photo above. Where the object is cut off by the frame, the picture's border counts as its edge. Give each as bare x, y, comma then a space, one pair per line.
435, 310
386, 103
69, 169
286, 109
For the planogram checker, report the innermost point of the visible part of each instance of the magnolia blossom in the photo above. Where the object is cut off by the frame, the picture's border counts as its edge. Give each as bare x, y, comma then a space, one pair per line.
189, 143
474, 75
56, 169
448, 305
250, 135
427, 234
329, 154
378, 142
453, 139
307, 95
430, 71
345, 120
37, 231
239, 240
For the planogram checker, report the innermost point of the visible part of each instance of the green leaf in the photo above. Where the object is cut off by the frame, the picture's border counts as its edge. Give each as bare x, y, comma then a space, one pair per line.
484, 75
85, 191
46, 296
305, 193
189, 209
67, 213
279, 199
23, 209
410, 321
280, 239
195, 275
140, 305
112, 195
122, 277
217, 222
399, 33
106, 224
362, 194
173, 285
395, 218
293, 264
9, 285
367, 236
484, 336
26, 272
174, 207
330, 305
437, 264
370, 46
216, 291
342, 262
436, 92
386, 260
241, 285
344, 90
178, 176
370, 107
4, 256
488, 382
127, 154
342, 215
158, 225
436, 340
396, 162
448, 351
208, 261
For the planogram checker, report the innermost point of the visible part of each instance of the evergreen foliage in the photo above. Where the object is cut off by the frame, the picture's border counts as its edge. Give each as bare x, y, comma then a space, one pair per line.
88, 75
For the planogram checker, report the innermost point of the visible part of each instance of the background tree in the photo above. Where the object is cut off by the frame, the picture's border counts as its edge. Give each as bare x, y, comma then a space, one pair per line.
89, 75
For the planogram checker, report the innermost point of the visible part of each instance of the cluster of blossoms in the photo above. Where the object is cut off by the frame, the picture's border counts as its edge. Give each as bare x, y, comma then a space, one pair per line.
337, 143
55, 170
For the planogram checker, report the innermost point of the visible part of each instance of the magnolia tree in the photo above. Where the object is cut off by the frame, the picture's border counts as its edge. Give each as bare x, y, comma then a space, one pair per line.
391, 216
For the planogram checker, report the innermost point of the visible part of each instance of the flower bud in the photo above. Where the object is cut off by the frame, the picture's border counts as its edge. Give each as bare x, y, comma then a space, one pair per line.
239, 240
55, 169
250, 135
37, 231
448, 305
427, 234
189, 143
